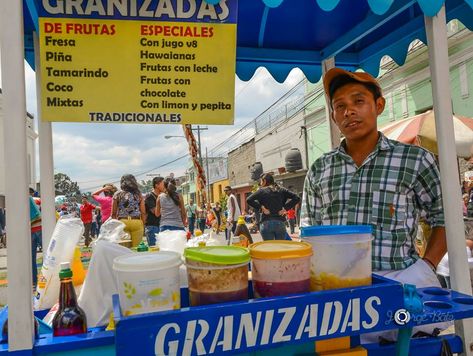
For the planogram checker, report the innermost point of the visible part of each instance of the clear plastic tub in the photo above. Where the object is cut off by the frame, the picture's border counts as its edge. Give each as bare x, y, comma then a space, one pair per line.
148, 281
217, 274
342, 256
280, 268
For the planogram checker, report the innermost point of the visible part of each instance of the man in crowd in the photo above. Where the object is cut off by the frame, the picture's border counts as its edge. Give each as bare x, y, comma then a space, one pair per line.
152, 221
191, 210
372, 180
86, 217
233, 210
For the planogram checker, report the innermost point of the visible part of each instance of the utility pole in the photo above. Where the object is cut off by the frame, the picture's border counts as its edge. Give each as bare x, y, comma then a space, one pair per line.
207, 173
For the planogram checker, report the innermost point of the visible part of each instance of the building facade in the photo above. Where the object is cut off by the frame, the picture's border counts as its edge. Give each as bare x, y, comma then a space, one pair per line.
240, 161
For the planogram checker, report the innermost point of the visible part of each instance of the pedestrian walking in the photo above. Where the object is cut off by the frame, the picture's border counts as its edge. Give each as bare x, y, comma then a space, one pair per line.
86, 216
273, 201
291, 219
191, 210
233, 211
201, 214
129, 207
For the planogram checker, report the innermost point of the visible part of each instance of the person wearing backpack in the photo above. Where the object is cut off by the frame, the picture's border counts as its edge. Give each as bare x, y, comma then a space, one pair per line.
273, 201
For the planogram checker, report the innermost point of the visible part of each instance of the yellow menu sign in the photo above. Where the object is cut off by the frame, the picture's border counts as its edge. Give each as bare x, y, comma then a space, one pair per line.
135, 71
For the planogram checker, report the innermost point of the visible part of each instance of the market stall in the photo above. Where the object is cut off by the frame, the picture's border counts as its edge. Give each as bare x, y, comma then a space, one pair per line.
280, 36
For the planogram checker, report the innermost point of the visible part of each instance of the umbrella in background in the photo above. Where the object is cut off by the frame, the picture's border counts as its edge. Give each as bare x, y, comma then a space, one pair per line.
420, 130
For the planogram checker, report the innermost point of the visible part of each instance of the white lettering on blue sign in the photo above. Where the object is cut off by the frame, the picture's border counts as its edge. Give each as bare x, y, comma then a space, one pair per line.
250, 330
372, 313
233, 332
176, 9
280, 331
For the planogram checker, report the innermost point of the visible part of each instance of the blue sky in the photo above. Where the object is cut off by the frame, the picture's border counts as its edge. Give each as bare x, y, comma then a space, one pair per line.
93, 154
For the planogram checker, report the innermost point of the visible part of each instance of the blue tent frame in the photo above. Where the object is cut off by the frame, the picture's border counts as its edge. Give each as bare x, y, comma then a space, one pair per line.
279, 35
282, 35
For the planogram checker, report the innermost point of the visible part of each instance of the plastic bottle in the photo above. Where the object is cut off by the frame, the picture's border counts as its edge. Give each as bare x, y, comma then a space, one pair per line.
70, 319
78, 271
243, 233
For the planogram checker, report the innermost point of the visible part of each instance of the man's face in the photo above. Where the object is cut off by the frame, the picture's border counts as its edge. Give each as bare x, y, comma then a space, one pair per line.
159, 186
227, 192
355, 111
84, 200
191, 202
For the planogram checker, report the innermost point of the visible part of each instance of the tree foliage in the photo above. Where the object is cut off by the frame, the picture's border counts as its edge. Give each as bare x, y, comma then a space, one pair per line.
65, 186
146, 186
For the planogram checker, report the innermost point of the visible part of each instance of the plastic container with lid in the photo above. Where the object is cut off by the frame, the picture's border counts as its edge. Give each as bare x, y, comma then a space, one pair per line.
217, 274
280, 267
148, 281
342, 255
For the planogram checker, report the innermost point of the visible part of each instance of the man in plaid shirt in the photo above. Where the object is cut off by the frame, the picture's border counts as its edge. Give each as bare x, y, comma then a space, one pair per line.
375, 181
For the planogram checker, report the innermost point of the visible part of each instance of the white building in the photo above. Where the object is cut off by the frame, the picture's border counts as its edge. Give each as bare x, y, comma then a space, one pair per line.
30, 149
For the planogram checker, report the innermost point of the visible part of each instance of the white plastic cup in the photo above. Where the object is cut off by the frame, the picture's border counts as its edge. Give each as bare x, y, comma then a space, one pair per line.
342, 255
148, 281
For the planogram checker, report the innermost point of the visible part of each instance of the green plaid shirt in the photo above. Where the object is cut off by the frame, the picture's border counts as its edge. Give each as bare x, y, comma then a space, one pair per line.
394, 186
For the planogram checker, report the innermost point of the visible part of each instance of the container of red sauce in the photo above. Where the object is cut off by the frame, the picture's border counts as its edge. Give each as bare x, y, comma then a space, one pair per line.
280, 268
217, 274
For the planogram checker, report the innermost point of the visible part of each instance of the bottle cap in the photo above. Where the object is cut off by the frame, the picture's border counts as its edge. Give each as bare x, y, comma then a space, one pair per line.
66, 271
142, 247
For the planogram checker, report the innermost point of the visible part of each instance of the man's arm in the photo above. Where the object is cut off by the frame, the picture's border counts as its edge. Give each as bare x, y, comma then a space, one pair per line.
429, 195
437, 246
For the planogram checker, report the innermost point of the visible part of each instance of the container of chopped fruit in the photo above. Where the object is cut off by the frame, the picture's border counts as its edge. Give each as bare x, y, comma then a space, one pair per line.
217, 274
342, 255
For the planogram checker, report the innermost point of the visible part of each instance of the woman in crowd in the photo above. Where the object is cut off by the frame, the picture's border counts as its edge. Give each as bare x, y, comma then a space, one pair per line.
273, 201
170, 206
129, 207
104, 197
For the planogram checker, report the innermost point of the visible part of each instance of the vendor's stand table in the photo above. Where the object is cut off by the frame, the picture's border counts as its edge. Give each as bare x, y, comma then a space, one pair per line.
285, 325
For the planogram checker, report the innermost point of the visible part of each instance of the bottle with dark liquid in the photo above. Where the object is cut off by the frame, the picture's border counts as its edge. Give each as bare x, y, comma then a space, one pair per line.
243, 233
70, 319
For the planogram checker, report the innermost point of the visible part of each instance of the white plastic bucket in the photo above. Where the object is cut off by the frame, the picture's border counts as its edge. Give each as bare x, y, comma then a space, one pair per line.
148, 281
342, 255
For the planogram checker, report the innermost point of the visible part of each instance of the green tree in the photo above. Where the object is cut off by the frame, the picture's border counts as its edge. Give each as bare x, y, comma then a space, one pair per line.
146, 186
65, 186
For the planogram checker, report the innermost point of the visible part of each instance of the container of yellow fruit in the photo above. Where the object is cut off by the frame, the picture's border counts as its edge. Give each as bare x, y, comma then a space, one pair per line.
341, 256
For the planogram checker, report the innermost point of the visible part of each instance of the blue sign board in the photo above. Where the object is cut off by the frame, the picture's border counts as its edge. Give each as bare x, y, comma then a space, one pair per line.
258, 324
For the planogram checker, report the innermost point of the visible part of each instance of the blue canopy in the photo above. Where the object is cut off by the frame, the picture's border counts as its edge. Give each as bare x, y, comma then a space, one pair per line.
281, 35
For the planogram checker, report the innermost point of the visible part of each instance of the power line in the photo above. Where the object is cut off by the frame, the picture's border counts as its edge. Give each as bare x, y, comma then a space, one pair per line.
142, 173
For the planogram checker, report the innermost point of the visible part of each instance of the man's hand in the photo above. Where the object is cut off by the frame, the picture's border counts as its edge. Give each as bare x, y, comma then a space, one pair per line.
282, 212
